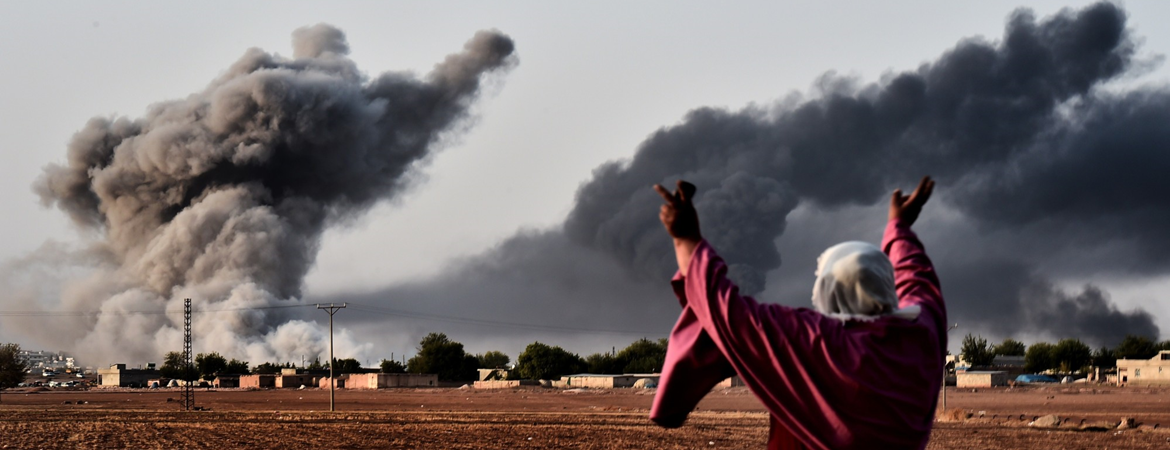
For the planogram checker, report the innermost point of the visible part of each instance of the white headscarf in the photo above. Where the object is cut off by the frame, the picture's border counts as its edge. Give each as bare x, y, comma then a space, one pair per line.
855, 281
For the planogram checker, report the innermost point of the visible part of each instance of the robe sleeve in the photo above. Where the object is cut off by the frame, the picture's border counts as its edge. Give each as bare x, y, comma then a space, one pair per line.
914, 275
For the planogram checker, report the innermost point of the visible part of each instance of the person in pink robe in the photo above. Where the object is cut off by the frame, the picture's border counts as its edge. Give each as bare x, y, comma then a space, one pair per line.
863, 370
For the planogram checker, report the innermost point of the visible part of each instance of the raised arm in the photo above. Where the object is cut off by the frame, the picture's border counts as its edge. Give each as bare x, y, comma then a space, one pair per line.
914, 275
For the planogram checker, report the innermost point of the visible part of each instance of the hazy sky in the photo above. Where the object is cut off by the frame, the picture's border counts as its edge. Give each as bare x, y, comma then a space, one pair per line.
594, 80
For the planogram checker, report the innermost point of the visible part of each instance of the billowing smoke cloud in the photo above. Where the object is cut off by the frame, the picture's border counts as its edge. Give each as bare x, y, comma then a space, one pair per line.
223, 196
1048, 173
1017, 131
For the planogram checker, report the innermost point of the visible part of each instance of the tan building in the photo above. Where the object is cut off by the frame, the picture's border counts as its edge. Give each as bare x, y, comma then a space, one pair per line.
119, 375
981, 378
388, 380
734, 381
1155, 370
258, 381
592, 380
292, 378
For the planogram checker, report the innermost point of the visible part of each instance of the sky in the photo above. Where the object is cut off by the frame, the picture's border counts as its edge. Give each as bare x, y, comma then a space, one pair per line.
457, 247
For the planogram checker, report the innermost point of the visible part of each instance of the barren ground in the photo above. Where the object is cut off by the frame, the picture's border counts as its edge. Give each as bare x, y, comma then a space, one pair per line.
531, 418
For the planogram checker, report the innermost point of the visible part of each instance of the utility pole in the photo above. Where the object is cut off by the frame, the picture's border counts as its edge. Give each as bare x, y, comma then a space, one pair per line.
187, 398
331, 309
944, 383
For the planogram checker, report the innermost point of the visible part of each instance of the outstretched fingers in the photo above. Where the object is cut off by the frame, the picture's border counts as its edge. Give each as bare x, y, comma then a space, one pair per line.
666, 195
922, 192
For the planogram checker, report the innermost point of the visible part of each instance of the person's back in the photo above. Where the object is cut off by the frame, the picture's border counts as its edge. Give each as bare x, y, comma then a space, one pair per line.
860, 376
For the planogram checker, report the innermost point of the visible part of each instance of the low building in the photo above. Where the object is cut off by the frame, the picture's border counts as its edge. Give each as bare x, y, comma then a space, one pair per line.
258, 381
734, 381
226, 381
291, 378
389, 380
981, 378
118, 375
1155, 370
593, 380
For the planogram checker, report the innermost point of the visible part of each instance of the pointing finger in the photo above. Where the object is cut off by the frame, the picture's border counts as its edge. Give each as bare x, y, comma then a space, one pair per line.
664, 193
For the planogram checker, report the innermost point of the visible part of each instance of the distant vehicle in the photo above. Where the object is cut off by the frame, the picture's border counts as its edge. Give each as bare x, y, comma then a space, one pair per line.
80, 375
48, 373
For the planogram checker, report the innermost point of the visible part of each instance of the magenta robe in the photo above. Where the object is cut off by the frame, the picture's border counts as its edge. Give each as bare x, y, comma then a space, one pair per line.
828, 384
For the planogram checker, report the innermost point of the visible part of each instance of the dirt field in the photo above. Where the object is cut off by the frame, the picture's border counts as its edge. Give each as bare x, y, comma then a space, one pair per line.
531, 418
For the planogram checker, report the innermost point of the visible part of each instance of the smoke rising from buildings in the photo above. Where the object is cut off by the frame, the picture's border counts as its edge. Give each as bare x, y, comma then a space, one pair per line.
1039, 164
223, 196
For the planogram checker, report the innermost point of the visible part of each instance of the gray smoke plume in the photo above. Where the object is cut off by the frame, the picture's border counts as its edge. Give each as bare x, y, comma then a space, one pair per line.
1046, 174
223, 196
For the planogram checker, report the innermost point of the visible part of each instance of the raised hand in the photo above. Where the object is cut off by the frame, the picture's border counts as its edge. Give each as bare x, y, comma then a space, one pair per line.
678, 213
907, 208
681, 221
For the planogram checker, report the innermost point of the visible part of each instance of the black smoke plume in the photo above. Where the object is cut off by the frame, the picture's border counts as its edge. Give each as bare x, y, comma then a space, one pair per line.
1040, 164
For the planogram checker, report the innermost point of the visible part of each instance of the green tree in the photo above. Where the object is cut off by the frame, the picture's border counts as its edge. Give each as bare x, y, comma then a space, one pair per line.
266, 368
1104, 358
1071, 355
542, 362
389, 366
1136, 347
210, 365
1010, 347
976, 351
1039, 357
175, 367
643, 356
348, 365
12, 366
236, 367
441, 356
317, 365
602, 363
493, 360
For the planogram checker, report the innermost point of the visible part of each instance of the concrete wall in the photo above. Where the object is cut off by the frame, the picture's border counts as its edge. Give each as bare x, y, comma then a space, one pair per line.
504, 384
981, 379
599, 381
389, 380
1155, 370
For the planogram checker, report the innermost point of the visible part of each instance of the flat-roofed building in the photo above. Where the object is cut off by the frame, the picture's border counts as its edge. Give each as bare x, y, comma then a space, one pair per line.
119, 375
594, 380
258, 381
389, 380
981, 378
1155, 370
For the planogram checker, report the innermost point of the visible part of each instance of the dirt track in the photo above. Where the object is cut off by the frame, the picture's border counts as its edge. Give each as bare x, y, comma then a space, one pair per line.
524, 418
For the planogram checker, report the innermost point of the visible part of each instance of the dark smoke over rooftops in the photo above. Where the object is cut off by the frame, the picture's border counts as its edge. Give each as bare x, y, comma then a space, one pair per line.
225, 194
1041, 165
